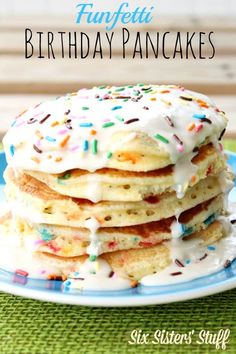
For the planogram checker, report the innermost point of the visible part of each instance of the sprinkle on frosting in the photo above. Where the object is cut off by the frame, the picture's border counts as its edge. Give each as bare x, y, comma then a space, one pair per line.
161, 138
37, 149
44, 119
133, 120
222, 134
95, 147
179, 263
65, 141
186, 98
203, 257
12, 150
206, 120
85, 145
119, 118
190, 127
49, 138
198, 127
68, 124
32, 120
179, 141
169, 121
199, 116
116, 107
211, 248
108, 124
86, 125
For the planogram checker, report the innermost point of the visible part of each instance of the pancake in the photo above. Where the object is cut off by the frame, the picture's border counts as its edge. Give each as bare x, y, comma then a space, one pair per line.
136, 263
35, 201
118, 185
70, 242
130, 128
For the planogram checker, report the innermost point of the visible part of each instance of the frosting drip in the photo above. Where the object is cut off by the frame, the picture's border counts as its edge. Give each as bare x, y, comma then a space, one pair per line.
191, 260
94, 248
96, 275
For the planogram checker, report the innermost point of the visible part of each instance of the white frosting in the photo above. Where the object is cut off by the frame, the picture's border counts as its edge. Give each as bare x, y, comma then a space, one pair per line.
94, 248
16, 254
4, 208
183, 171
94, 188
96, 276
176, 229
89, 109
204, 260
226, 186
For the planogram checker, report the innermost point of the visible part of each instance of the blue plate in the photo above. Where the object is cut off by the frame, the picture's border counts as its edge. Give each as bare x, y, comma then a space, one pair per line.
142, 295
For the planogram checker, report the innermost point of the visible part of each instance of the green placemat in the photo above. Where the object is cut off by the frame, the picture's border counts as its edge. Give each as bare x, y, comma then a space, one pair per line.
29, 326
33, 327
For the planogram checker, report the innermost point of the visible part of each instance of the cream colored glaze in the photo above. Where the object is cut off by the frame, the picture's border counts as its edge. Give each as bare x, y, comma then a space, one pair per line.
94, 248
95, 275
193, 250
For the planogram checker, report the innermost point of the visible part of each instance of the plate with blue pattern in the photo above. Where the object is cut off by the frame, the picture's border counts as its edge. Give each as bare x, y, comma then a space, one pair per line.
53, 290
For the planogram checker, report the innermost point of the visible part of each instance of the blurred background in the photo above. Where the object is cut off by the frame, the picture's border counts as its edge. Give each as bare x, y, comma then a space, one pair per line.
27, 82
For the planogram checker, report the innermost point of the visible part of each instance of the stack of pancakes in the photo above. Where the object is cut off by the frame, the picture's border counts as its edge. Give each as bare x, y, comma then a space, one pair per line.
116, 173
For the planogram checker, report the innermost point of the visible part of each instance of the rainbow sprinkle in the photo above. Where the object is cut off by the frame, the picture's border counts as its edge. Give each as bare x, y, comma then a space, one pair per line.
116, 107
199, 116
86, 125
108, 124
211, 248
85, 145
198, 128
161, 138
95, 147
12, 150
92, 258
119, 118
48, 138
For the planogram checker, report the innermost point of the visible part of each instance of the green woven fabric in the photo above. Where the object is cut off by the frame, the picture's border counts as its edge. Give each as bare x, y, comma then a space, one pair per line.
33, 327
